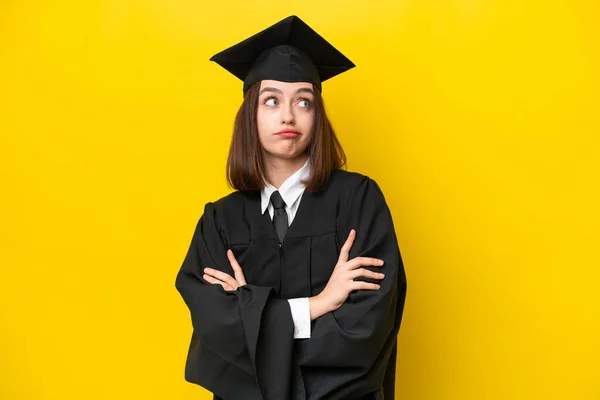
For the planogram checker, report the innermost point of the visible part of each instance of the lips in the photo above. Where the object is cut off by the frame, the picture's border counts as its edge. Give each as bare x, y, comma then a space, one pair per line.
288, 133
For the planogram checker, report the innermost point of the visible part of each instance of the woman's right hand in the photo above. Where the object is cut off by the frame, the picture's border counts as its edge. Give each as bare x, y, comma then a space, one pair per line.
342, 282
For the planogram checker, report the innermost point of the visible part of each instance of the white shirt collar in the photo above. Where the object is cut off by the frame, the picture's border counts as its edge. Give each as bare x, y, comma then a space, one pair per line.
290, 190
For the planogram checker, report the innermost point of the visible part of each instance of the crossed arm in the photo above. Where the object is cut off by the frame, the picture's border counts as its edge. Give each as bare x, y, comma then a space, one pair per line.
339, 286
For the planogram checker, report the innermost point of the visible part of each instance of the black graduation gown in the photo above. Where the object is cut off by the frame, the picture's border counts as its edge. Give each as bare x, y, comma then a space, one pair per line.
242, 344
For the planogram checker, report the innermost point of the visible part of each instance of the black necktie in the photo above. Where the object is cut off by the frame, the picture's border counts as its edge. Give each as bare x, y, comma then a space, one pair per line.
280, 218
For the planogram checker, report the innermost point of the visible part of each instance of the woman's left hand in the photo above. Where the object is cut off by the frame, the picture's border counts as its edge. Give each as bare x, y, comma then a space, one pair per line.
221, 278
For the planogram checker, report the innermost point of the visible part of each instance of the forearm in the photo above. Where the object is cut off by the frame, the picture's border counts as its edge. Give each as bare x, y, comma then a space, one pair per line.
318, 307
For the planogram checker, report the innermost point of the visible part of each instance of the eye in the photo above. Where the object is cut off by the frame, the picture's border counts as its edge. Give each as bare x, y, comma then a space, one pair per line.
304, 103
271, 102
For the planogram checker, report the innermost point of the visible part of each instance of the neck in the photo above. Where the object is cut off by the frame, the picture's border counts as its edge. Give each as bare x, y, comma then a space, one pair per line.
277, 170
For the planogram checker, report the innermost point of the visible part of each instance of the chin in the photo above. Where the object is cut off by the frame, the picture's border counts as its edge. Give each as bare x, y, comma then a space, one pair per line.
286, 155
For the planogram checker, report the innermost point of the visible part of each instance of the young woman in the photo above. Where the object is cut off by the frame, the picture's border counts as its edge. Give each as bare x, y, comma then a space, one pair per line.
294, 282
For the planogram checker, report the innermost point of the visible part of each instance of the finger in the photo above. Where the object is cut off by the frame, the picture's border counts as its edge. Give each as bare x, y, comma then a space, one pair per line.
364, 262
222, 276
212, 280
363, 272
215, 281
360, 285
345, 250
237, 268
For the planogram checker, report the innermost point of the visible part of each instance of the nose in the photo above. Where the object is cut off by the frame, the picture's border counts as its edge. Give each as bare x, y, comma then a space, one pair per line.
287, 115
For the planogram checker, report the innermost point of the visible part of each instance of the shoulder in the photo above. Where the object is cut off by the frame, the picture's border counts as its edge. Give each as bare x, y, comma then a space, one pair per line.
225, 214
230, 203
349, 182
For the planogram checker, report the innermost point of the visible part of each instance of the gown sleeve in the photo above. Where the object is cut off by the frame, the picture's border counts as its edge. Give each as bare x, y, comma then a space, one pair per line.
228, 353
351, 350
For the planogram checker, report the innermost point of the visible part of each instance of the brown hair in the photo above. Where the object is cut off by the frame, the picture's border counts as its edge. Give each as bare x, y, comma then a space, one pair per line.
245, 167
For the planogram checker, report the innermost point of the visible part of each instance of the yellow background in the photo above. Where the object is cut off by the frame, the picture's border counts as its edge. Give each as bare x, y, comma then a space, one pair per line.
479, 119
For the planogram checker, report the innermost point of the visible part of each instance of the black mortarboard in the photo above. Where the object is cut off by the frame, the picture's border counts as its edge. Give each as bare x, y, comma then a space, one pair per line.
289, 51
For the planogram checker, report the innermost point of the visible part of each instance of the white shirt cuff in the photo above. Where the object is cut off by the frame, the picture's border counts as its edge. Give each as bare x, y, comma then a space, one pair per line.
301, 317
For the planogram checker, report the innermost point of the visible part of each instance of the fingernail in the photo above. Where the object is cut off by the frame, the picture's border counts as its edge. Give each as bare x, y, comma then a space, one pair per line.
382, 276
378, 286
206, 269
380, 262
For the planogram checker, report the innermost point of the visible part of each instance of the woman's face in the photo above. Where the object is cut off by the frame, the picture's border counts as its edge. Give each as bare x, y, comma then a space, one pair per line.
285, 118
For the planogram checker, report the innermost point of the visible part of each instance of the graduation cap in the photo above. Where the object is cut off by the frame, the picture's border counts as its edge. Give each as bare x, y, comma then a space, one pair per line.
289, 51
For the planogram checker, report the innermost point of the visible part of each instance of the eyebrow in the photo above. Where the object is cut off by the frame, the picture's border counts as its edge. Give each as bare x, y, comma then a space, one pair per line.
275, 90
